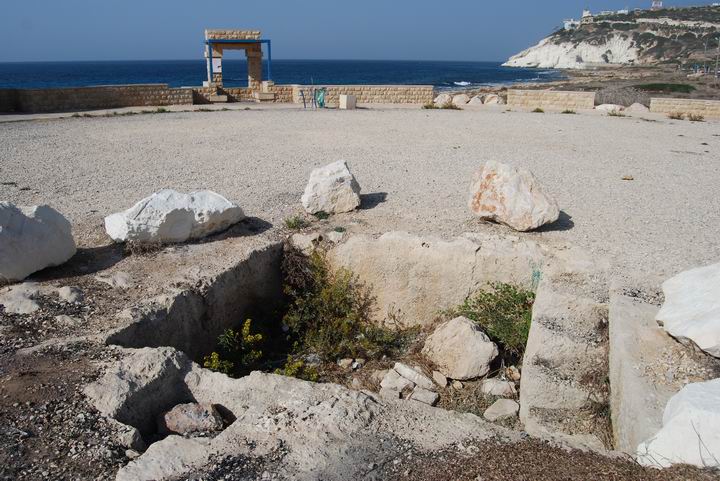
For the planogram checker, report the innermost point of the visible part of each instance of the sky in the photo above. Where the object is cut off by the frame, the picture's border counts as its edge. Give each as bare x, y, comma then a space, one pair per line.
492, 30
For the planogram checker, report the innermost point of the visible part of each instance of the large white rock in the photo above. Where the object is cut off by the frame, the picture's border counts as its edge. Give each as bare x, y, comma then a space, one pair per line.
491, 99
501, 409
460, 349
692, 307
637, 108
691, 429
331, 189
460, 100
443, 99
512, 196
610, 108
476, 100
171, 216
31, 239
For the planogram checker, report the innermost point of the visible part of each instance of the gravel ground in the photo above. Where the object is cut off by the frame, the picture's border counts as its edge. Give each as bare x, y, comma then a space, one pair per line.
414, 166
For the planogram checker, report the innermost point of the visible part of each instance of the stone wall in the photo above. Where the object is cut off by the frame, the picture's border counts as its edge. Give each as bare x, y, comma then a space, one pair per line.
551, 99
370, 94
706, 108
89, 98
117, 96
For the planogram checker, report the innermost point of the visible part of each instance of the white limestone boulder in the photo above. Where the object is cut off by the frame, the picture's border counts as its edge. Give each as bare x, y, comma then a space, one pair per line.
692, 307
443, 99
610, 108
331, 189
476, 100
460, 100
491, 99
170, 216
511, 196
690, 432
637, 108
460, 349
31, 239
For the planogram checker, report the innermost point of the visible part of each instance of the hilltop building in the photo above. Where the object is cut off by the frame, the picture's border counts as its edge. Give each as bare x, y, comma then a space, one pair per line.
589, 17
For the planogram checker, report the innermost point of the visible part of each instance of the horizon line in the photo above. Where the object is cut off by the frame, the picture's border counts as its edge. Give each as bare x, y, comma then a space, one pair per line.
264, 59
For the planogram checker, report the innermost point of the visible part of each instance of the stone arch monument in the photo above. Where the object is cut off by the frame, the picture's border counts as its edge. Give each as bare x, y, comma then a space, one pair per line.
217, 41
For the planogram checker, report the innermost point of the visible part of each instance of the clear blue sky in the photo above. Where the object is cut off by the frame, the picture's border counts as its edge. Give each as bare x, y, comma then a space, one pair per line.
38, 30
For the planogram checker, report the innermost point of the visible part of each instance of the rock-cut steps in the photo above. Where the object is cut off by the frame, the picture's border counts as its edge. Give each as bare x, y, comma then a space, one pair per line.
563, 393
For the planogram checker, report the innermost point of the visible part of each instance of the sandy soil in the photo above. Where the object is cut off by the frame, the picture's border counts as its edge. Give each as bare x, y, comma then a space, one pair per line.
414, 166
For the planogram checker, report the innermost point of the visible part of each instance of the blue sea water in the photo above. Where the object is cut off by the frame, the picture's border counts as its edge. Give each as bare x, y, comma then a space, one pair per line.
179, 73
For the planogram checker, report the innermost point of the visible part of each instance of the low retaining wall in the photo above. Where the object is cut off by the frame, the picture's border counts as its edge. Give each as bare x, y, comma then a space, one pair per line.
87, 98
706, 108
370, 94
551, 99
116, 96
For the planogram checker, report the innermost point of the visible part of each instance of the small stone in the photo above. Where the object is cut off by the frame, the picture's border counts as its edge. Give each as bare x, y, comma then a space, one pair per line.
132, 454
501, 409
191, 418
414, 375
396, 382
305, 243
457, 385
359, 363
460, 349
424, 396
70, 294
334, 236
345, 363
513, 373
498, 387
116, 280
66, 321
439, 378
20, 299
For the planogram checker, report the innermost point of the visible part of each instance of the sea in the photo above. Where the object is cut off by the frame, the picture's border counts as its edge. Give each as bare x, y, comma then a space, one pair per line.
179, 73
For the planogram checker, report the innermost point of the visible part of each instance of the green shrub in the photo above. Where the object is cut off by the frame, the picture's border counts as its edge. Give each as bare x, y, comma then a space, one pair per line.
666, 88
296, 222
240, 351
297, 367
445, 106
322, 215
504, 312
695, 118
676, 115
329, 311
538, 110
570, 112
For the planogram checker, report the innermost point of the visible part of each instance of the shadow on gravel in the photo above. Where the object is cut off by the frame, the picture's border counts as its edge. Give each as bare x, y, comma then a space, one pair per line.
368, 201
247, 227
564, 222
87, 260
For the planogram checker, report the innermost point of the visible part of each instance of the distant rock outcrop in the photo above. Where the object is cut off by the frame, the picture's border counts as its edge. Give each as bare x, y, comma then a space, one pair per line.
637, 37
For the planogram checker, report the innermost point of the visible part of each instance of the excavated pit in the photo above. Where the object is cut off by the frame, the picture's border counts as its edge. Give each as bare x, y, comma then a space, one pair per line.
413, 279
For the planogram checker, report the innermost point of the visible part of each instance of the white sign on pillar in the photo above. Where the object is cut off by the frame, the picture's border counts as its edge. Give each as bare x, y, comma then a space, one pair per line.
217, 65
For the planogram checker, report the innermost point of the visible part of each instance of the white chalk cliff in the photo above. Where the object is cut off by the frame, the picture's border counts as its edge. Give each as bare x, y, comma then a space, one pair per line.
549, 54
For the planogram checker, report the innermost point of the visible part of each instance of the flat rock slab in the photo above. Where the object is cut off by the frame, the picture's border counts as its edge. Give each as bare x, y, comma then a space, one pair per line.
415, 277
565, 362
501, 409
325, 430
